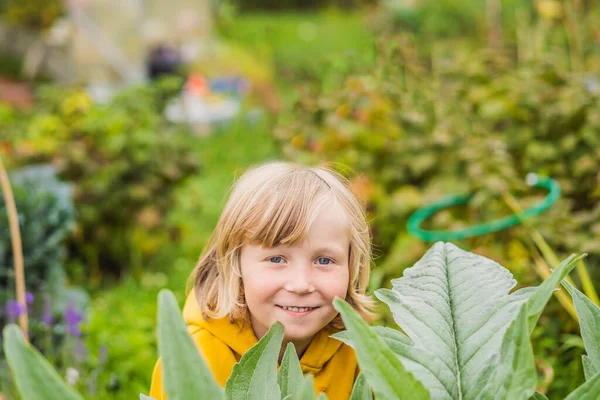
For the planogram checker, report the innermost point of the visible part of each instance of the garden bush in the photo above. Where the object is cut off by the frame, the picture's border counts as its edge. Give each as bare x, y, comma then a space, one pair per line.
456, 118
124, 161
464, 336
32, 14
417, 135
46, 218
55, 308
273, 5
300, 46
437, 21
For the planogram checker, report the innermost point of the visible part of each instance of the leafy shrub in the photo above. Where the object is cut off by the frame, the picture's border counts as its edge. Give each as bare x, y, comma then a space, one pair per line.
129, 334
466, 337
123, 159
32, 14
439, 19
470, 123
300, 46
420, 125
273, 5
46, 218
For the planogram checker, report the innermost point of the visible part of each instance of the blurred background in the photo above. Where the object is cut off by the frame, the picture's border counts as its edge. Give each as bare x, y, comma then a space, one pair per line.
123, 124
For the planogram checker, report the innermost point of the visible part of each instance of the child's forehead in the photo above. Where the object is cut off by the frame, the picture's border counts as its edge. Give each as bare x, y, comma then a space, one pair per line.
291, 226
317, 235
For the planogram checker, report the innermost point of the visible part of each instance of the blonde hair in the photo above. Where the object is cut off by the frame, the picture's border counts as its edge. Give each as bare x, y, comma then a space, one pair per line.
273, 204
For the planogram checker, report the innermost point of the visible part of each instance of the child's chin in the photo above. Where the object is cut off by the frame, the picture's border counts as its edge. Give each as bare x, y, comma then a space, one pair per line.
295, 335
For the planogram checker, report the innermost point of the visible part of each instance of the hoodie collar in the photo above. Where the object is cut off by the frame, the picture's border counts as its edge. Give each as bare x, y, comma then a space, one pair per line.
240, 336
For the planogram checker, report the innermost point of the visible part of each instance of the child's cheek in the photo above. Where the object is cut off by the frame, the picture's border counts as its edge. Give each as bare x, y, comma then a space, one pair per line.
335, 286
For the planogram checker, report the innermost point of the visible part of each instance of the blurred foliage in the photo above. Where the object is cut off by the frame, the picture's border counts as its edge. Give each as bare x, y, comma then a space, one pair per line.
37, 15
454, 117
229, 59
10, 66
433, 18
124, 161
46, 218
129, 336
277, 5
490, 123
301, 45
438, 20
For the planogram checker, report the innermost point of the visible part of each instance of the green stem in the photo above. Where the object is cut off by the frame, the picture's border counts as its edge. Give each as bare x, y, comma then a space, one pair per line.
549, 254
544, 271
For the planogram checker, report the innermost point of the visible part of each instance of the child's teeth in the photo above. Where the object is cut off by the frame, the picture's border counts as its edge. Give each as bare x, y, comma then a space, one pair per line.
297, 309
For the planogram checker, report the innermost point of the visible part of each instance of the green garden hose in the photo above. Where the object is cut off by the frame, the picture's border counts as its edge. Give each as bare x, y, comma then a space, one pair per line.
423, 213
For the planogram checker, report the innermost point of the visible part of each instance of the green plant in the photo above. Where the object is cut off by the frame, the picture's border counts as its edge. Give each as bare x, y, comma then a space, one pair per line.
46, 219
32, 14
186, 374
439, 19
454, 118
124, 161
466, 337
310, 45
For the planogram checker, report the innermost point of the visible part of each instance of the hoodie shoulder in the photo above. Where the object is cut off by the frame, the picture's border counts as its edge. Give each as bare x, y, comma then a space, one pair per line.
219, 357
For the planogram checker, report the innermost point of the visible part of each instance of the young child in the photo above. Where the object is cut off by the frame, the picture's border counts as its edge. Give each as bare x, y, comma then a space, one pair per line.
290, 239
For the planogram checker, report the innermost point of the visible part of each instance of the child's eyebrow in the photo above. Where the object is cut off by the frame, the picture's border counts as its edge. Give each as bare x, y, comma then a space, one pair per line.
321, 249
332, 249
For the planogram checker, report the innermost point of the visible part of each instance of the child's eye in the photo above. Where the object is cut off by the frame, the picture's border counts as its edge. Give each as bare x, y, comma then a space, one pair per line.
276, 260
324, 261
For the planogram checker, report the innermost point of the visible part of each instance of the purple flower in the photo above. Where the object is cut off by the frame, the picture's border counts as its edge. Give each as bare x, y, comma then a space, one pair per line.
80, 351
73, 319
102, 354
13, 310
29, 298
92, 382
47, 314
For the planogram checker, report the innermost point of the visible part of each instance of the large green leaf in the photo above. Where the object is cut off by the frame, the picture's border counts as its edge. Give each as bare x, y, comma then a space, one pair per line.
384, 371
34, 376
306, 391
290, 377
589, 320
361, 389
255, 375
542, 294
423, 364
538, 396
185, 374
515, 363
590, 390
515, 376
589, 368
455, 307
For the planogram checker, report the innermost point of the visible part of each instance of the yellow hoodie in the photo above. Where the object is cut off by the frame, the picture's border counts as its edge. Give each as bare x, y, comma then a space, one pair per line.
332, 363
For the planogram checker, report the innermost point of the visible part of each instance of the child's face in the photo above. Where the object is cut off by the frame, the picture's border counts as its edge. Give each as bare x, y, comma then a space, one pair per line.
310, 274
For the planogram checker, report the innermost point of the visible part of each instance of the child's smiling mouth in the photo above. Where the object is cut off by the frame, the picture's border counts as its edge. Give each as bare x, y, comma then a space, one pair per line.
297, 311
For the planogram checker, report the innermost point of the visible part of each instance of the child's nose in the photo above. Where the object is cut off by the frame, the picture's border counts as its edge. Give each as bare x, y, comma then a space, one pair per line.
300, 281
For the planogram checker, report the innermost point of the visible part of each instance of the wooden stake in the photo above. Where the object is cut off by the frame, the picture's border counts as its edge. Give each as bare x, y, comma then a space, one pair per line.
17, 248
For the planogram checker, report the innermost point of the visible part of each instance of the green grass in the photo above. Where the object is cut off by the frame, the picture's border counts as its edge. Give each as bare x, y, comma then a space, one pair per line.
304, 45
